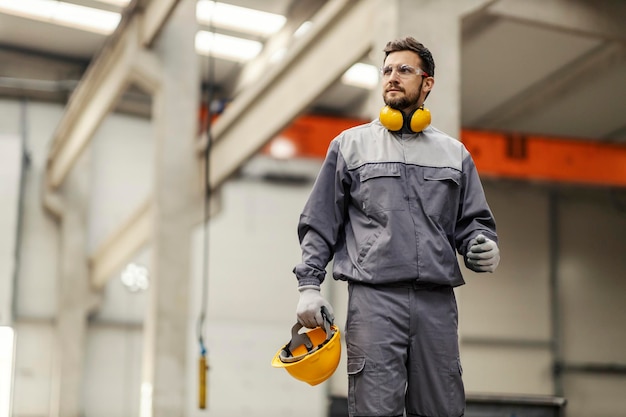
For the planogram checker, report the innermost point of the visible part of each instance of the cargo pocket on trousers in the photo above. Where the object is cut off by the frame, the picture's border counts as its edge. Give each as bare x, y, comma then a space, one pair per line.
357, 384
457, 392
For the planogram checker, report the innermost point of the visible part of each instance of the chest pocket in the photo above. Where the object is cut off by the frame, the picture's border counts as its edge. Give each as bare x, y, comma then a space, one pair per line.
442, 193
442, 174
381, 187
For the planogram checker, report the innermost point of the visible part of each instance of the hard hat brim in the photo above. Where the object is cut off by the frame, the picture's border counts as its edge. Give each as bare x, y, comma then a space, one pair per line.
316, 366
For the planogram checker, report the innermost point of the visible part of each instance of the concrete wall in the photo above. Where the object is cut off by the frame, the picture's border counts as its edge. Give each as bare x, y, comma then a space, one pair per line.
505, 321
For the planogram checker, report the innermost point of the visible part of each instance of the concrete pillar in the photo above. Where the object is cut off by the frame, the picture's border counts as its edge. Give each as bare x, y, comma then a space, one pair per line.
75, 297
436, 24
177, 202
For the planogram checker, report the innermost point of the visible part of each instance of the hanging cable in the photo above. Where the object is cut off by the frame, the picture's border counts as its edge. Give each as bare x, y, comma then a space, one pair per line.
203, 366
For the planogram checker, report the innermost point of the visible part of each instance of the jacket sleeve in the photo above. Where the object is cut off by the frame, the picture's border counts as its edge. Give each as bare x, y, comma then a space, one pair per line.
475, 216
322, 218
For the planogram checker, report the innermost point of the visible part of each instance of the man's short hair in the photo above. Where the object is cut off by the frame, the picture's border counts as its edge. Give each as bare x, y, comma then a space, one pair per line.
410, 44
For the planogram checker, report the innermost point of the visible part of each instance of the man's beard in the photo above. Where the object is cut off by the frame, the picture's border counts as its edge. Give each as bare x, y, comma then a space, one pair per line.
404, 102
401, 103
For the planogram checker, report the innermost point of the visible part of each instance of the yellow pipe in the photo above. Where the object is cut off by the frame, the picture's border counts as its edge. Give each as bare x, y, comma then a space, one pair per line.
202, 387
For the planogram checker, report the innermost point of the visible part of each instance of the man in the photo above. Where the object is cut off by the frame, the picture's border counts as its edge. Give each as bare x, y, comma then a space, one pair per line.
392, 208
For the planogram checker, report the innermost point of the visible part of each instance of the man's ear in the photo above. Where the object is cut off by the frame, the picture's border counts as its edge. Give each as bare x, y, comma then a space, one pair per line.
428, 84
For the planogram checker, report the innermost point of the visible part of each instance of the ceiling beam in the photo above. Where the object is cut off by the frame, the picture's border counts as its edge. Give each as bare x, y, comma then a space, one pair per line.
298, 13
616, 136
119, 248
91, 101
145, 72
103, 84
553, 86
156, 14
131, 236
598, 18
315, 62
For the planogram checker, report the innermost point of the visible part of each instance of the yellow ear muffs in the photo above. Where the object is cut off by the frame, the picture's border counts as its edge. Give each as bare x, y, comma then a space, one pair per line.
420, 119
393, 119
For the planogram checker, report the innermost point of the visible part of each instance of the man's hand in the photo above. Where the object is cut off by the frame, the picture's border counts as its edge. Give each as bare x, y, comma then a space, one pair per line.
309, 310
482, 255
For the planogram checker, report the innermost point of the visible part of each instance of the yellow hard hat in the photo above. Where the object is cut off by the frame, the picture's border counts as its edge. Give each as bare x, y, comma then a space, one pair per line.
311, 356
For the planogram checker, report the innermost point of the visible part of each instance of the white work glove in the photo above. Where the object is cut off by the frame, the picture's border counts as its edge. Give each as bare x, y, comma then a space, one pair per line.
482, 255
309, 310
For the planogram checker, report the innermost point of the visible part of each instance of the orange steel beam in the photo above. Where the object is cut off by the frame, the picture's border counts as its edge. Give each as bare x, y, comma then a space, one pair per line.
311, 134
496, 154
545, 158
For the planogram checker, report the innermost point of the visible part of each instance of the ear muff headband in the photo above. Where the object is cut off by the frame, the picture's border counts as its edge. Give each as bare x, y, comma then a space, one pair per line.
393, 119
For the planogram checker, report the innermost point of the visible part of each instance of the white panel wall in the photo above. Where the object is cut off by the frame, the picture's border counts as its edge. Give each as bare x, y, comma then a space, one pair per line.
36, 286
593, 271
503, 303
34, 386
251, 303
597, 395
593, 292
121, 178
505, 317
503, 313
123, 160
10, 117
113, 375
121, 305
10, 178
35, 302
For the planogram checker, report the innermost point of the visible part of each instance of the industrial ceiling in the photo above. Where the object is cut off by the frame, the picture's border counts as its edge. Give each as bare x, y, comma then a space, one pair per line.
525, 67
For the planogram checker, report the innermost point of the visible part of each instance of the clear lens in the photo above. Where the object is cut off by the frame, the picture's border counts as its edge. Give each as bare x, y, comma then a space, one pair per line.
403, 71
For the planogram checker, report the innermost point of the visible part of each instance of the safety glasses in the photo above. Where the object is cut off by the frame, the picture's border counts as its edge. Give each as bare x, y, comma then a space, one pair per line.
403, 71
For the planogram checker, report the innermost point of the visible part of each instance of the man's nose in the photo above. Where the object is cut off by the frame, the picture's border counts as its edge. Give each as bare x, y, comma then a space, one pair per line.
393, 80
394, 75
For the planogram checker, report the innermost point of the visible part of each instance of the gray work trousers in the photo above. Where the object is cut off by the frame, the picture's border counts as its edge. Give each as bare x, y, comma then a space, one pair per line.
403, 352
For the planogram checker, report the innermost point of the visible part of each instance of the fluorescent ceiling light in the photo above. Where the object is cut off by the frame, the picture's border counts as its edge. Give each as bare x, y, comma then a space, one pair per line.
62, 13
361, 75
240, 19
278, 55
282, 148
121, 3
226, 47
302, 29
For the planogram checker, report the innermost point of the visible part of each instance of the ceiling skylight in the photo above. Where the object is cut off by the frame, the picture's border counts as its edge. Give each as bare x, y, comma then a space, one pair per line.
361, 75
62, 13
217, 14
226, 47
241, 19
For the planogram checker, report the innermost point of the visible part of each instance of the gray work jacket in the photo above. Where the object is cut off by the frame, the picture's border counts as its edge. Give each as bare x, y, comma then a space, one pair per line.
391, 208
